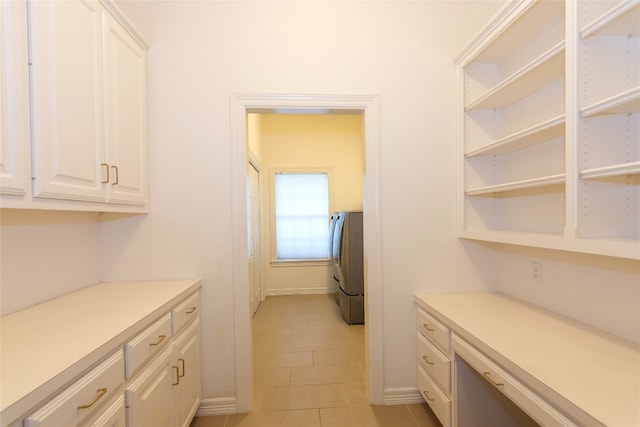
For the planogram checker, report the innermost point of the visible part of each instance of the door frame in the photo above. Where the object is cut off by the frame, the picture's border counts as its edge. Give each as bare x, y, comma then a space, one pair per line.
254, 163
368, 106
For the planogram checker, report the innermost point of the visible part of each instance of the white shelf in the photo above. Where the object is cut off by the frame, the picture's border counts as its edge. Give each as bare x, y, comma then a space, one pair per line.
532, 15
544, 181
626, 102
622, 20
631, 168
556, 108
535, 75
542, 132
622, 248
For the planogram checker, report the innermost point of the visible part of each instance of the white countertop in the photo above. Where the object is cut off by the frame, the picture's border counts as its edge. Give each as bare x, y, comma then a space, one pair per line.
45, 346
576, 367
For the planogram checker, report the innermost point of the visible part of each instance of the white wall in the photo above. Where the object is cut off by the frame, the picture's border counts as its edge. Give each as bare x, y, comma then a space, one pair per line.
600, 291
44, 255
202, 52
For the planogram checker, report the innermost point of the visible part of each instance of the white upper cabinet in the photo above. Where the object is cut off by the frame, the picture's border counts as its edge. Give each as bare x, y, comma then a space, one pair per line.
125, 102
88, 147
549, 129
67, 100
14, 100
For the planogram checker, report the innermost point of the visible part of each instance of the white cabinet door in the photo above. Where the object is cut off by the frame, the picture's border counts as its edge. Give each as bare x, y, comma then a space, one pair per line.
187, 393
125, 115
66, 92
149, 396
113, 416
14, 99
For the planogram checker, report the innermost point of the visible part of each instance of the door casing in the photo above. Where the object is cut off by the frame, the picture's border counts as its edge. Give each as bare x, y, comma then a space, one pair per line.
368, 106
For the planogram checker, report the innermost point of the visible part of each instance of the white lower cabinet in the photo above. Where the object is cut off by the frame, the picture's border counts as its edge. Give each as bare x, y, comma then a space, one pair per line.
167, 393
187, 392
485, 359
434, 365
529, 408
152, 378
113, 416
74, 405
149, 396
464, 388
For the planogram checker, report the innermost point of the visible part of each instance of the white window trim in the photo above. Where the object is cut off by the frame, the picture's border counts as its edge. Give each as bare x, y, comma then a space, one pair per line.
272, 216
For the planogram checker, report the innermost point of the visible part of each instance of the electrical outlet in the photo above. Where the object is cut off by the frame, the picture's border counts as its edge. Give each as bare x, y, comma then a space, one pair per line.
536, 273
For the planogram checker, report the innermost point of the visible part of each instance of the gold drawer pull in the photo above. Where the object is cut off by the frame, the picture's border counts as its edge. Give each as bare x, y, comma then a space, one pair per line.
426, 326
191, 310
160, 339
106, 169
181, 361
101, 392
426, 395
117, 174
177, 375
487, 375
426, 359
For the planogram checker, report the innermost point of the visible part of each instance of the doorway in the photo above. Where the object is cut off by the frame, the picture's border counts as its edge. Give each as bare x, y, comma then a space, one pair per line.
241, 105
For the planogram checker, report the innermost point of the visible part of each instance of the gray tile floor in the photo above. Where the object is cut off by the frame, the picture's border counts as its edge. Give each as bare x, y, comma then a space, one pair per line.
309, 370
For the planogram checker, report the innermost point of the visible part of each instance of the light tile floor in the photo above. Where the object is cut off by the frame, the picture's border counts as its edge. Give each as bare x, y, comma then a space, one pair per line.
309, 370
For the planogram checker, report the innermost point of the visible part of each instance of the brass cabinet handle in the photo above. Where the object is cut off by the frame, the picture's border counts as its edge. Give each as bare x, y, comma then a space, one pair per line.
426, 395
487, 375
101, 392
160, 339
191, 310
426, 359
106, 169
181, 361
426, 326
117, 181
177, 376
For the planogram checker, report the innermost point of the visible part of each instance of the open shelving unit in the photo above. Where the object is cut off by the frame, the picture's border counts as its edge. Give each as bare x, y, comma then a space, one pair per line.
549, 102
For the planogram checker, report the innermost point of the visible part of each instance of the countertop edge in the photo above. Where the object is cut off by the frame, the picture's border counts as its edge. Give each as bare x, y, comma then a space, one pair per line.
28, 402
546, 391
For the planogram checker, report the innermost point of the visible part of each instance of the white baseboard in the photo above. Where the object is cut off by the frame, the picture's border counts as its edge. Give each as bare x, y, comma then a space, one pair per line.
217, 406
300, 291
227, 405
402, 396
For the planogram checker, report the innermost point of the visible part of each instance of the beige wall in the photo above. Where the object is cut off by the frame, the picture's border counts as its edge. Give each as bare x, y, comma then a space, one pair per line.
309, 142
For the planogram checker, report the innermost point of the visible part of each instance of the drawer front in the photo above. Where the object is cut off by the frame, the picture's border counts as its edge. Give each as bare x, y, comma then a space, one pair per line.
185, 312
434, 362
435, 398
434, 330
75, 403
147, 343
113, 416
536, 407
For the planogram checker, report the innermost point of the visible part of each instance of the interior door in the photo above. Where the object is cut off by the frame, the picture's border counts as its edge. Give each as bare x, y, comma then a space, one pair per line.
253, 232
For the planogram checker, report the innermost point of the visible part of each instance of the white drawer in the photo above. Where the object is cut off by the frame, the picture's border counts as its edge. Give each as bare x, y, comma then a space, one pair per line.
434, 362
438, 401
527, 400
76, 402
113, 415
147, 343
185, 312
434, 330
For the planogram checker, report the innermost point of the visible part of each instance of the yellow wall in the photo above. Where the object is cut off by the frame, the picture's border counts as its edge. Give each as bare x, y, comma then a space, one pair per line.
314, 141
253, 135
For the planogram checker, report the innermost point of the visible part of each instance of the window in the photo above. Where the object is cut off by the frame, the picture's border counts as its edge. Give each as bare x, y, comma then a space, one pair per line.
301, 215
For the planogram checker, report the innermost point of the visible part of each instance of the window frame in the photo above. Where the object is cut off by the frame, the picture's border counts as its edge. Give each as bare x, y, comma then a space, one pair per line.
274, 261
